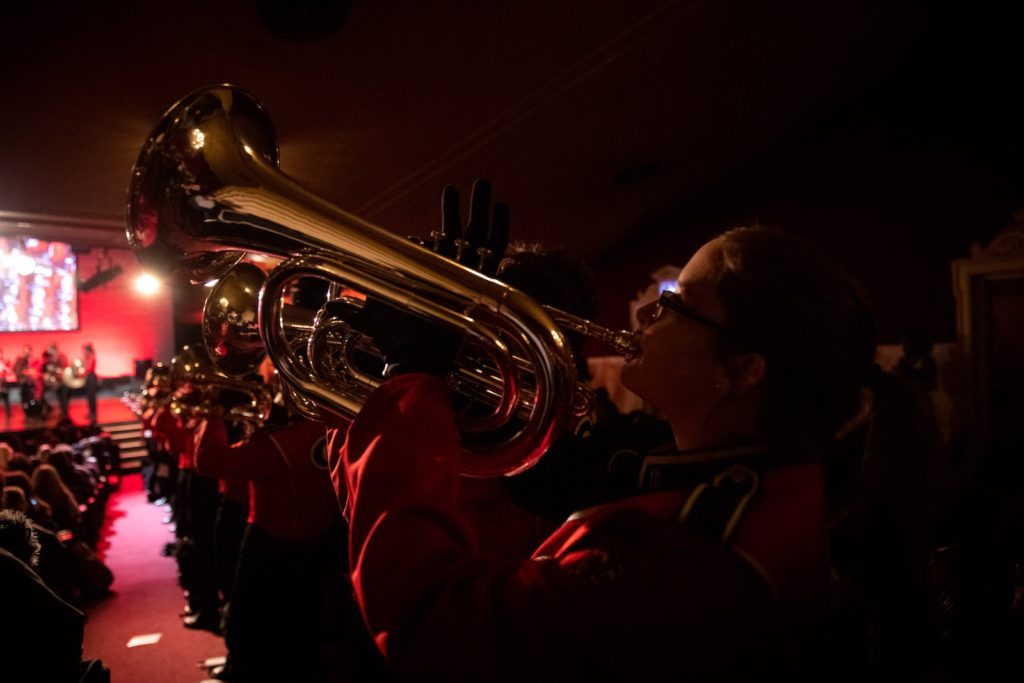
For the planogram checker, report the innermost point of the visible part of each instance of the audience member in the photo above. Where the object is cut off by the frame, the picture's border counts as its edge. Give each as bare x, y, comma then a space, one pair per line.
46, 644
79, 479
39, 511
48, 487
56, 565
19, 462
18, 537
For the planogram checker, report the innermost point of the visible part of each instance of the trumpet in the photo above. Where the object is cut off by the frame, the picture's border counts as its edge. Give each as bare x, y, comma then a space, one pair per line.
206, 189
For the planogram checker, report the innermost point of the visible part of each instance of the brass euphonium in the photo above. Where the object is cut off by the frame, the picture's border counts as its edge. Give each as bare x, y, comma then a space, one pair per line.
206, 189
155, 391
197, 387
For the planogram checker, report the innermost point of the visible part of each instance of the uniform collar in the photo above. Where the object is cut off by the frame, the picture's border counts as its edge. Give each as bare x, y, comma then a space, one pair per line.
667, 469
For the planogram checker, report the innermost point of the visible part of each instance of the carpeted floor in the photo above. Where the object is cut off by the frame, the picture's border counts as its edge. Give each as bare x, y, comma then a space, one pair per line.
146, 600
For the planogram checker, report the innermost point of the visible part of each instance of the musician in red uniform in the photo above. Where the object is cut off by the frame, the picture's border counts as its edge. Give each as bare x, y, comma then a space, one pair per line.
162, 476
8, 379
92, 383
282, 615
28, 371
53, 363
716, 567
33, 375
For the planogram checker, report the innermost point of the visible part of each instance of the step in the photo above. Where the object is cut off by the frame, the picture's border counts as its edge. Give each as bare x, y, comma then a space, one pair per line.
131, 444
132, 460
119, 427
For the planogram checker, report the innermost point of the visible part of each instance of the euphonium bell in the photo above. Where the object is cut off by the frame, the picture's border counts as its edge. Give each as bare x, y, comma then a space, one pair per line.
206, 189
197, 387
155, 391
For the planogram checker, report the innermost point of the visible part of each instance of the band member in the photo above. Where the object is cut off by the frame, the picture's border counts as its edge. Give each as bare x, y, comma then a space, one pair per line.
7, 380
283, 613
29, 377
92, 383
53, 364
717, 564
196, 501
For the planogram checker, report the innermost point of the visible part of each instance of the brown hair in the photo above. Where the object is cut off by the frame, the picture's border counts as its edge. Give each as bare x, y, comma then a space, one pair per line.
51, 488
810, 320
813, 324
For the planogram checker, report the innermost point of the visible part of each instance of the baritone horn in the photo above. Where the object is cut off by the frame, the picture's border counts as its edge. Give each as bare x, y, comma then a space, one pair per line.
197, 387
206, 189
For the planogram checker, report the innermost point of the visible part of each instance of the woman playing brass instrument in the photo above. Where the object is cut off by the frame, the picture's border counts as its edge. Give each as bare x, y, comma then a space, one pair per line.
716, 567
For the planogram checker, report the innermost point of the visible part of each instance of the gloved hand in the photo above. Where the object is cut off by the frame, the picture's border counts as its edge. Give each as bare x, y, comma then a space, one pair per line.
483, 242
409, 342
414, 344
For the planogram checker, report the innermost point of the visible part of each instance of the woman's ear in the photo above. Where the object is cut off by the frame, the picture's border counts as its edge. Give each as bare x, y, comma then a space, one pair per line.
746, 372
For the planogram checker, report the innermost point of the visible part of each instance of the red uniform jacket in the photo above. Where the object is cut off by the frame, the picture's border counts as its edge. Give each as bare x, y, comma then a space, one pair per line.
291, 494
167, 431
620, 592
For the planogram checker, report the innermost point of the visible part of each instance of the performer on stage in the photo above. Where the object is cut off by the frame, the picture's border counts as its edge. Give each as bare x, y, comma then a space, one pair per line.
7, 380
30, 382
92, 382
53, 364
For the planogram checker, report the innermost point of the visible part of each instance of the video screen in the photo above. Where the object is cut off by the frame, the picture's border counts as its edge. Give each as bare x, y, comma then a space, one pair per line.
38, 285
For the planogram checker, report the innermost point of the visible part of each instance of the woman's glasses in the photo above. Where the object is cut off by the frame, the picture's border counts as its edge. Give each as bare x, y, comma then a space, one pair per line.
671, 301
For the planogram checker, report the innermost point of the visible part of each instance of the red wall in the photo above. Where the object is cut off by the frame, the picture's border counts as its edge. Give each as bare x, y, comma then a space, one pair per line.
122, 325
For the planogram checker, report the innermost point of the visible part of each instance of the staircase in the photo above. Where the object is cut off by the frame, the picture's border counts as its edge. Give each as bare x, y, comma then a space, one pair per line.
128, 435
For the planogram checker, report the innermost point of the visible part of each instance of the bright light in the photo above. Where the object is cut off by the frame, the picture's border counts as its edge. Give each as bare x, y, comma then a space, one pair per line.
24, 264
210, 283
147, 284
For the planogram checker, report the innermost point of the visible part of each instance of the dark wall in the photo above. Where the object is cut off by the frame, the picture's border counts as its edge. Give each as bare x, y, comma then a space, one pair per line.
896, 183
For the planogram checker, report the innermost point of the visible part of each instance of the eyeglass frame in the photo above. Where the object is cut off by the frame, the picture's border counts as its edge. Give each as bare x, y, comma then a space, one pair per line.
672, 301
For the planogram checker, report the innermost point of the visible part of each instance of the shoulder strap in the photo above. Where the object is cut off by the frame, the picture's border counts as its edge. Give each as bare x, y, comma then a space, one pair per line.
713, 510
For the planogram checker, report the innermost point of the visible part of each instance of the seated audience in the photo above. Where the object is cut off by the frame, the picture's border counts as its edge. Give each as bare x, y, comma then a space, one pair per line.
50, 488
38, 510
46, 645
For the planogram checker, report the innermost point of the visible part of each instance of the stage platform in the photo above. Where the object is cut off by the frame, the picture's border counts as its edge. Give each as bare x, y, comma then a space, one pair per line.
112, 416
108, 409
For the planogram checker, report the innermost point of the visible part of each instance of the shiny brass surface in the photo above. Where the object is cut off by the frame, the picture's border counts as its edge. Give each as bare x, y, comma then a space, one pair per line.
198, 389
206, 189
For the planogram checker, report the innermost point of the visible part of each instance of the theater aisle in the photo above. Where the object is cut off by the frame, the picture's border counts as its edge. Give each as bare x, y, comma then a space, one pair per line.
146, 599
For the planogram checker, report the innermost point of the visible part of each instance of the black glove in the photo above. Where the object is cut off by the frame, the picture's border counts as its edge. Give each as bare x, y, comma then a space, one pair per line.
409, 342
483, 242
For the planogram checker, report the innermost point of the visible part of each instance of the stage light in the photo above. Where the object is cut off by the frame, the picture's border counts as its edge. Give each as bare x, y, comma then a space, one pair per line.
147, 284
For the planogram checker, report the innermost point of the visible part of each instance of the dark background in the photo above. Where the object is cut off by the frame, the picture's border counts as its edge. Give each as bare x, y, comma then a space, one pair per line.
630, 131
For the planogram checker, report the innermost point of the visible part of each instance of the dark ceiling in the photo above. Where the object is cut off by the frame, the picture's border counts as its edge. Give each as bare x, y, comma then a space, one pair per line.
588, 116
627, 130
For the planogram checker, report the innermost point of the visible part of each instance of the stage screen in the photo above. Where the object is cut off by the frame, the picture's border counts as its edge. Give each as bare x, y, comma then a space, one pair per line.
38, 285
